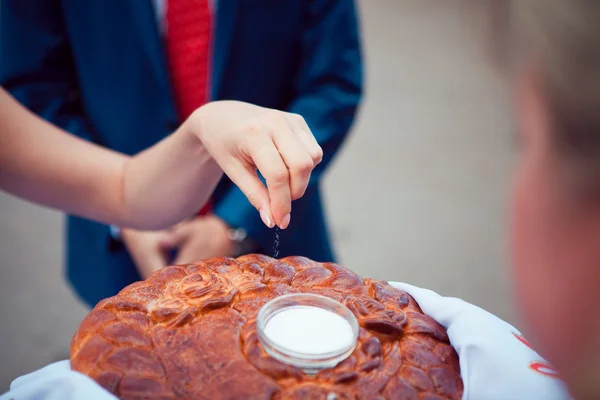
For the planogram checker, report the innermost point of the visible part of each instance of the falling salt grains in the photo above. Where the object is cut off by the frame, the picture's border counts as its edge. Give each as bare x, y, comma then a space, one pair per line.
276, 243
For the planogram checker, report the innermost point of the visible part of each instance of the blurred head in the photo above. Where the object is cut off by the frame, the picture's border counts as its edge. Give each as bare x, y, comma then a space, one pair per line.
555, 59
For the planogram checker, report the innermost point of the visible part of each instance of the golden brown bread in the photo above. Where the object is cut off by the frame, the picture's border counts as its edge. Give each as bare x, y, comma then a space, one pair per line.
189, 332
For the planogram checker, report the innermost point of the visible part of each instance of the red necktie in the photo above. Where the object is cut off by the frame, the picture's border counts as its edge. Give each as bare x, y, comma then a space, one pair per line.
188, 45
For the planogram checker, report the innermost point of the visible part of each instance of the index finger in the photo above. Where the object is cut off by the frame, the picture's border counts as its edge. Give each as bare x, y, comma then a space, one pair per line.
267, 159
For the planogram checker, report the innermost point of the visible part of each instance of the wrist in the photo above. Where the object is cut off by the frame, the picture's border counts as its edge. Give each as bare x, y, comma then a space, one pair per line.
191, 131
195, 124
194, 130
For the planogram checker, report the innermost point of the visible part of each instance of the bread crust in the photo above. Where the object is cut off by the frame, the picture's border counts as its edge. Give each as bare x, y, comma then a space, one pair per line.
189, 332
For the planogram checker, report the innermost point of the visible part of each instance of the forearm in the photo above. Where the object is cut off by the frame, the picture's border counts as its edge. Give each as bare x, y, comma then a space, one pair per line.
41, 163
169, 181
154, 189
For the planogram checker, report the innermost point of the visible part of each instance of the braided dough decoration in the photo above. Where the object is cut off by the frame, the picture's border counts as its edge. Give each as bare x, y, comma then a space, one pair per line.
189, 332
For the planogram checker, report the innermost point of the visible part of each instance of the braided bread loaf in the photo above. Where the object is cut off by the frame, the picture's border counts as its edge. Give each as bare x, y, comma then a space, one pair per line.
189, 332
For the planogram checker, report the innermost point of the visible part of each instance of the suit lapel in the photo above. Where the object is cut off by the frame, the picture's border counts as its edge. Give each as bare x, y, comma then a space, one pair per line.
145, 27
224, 30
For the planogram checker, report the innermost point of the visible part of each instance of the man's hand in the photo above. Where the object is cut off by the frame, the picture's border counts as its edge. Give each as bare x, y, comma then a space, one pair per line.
200, 238
148, 249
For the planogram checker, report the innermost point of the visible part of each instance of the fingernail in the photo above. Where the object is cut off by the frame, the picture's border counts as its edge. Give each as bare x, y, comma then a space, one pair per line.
285, 222
265, 219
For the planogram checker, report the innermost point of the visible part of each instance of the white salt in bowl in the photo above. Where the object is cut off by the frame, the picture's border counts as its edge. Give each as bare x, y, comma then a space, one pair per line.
309, 331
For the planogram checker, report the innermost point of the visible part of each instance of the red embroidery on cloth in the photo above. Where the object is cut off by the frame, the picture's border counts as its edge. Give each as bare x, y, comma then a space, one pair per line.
541, 367
544, 369
523, 340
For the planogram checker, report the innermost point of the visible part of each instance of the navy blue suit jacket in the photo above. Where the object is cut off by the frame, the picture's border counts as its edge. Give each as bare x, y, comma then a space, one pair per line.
97, 68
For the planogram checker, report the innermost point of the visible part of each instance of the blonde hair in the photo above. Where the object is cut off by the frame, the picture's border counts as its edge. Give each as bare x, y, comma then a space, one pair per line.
560, 39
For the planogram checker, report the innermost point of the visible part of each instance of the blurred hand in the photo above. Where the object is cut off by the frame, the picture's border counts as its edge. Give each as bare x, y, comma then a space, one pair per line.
242, 138
148, 249
200, 238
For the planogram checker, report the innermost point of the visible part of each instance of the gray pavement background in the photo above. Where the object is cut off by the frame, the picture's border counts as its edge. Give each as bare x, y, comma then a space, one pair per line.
417, 194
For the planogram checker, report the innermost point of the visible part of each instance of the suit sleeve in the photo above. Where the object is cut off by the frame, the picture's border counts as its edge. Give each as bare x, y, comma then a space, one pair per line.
328, 92
36, 66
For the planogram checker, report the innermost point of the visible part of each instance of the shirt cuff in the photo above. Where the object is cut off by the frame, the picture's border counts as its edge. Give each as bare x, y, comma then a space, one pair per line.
115, 232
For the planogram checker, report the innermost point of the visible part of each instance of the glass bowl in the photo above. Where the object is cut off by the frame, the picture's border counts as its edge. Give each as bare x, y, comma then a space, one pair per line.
306, 351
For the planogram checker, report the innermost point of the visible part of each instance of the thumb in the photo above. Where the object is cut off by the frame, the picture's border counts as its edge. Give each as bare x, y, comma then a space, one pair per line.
254, 189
